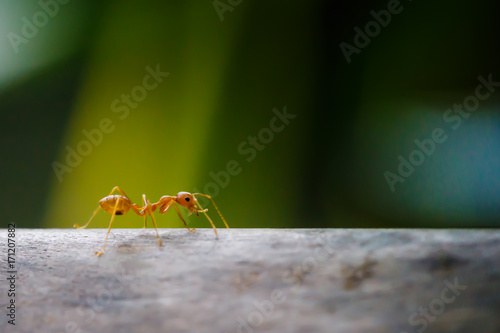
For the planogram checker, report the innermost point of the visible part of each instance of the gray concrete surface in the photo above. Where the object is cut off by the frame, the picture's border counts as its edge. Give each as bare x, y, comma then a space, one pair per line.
255, 280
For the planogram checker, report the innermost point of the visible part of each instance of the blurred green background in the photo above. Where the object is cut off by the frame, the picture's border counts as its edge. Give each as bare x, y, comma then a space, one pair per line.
67, 68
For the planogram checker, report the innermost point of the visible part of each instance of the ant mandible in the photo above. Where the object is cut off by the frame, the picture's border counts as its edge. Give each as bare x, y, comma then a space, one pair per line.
121, 204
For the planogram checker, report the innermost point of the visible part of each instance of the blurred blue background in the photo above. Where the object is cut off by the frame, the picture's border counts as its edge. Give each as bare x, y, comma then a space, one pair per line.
82, 111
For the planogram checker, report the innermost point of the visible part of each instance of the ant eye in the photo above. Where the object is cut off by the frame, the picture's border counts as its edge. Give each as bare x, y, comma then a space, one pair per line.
187, 199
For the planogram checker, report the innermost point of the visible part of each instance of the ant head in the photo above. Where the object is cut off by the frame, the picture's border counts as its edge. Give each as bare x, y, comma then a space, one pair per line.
187, 200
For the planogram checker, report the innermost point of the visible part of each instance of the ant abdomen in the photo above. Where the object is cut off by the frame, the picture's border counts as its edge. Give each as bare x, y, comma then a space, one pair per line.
121, 203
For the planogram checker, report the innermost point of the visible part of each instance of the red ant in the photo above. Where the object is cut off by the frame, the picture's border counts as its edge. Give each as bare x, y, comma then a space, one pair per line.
121, 204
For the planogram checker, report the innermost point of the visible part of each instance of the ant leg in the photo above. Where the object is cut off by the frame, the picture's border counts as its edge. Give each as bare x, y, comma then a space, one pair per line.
117, 188
165, 207
154, 223
204, 211
180, 216
110, 224
216, 208
145, 214
148, 210
78, 227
